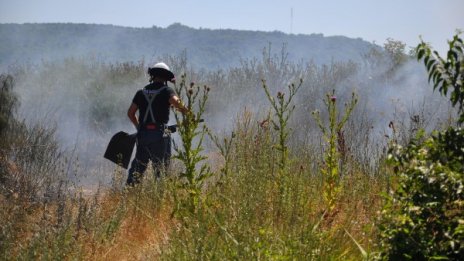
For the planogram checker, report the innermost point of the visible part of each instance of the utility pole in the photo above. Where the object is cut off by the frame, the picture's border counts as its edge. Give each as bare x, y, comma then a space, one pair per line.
291, 20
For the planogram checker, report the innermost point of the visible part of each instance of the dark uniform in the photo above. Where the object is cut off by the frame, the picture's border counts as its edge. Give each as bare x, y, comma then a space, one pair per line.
153, 141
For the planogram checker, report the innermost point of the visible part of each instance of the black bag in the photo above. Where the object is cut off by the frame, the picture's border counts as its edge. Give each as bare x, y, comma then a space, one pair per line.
120, 148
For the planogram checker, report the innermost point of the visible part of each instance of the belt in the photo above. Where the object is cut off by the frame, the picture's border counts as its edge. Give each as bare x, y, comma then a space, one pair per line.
155, 126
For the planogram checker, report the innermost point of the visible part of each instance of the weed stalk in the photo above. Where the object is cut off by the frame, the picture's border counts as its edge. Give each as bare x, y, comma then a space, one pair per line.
192, 137
331, 135
283, 109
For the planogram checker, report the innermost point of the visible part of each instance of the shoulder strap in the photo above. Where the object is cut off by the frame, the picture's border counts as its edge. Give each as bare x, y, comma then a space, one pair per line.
150, 96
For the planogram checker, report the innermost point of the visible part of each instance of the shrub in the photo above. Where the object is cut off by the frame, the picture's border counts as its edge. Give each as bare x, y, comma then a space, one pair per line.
423, 218
8, 103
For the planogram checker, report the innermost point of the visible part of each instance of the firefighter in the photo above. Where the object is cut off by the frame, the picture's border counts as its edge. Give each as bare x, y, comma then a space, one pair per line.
153, 103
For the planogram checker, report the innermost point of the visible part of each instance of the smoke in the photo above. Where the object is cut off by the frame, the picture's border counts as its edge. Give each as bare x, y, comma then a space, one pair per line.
402, 94
394, 101
87, 100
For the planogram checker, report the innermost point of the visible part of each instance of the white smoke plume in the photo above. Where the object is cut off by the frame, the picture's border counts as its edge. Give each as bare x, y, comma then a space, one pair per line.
87, 99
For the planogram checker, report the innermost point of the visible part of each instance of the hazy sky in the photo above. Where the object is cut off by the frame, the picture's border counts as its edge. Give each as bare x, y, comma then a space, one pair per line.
372, 20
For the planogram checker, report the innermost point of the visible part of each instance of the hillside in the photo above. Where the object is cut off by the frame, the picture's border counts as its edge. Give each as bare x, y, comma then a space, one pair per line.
205, 48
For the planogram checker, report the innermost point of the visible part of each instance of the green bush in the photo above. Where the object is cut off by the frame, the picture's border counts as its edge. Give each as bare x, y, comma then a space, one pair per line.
424, 218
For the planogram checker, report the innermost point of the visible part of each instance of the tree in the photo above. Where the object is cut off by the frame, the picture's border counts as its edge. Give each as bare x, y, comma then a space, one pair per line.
396, 51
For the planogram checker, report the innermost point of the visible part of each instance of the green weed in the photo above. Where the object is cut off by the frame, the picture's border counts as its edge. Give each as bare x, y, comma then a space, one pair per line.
192, 179
332, 135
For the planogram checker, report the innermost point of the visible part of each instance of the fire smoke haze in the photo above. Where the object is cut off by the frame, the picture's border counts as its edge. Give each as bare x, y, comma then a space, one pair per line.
405, 90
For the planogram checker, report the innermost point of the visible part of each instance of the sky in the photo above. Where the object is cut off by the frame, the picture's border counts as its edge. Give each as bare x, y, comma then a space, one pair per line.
374, 21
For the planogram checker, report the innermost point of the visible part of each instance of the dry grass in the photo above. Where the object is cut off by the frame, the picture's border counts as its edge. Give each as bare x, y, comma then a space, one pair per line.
138, 238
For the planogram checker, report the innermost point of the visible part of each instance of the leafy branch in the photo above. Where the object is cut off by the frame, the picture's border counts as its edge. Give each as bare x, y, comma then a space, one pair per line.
446, 73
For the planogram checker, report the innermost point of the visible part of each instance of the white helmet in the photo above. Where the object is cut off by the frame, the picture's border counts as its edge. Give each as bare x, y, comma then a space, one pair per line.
162, 66
162, 70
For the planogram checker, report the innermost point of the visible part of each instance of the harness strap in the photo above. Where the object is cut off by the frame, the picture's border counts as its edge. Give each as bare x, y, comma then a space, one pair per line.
150, 96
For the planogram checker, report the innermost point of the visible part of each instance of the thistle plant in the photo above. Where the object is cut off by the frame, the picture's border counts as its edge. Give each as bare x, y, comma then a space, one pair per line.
192, 136
331, 135
283, 109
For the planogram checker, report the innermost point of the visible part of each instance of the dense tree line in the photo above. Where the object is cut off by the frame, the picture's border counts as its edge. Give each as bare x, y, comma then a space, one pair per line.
205, 48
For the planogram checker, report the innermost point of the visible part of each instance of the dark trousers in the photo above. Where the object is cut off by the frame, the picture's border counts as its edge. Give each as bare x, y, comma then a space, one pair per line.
152, 145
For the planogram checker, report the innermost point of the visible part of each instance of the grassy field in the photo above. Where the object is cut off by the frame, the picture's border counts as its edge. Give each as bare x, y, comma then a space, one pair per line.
252, 206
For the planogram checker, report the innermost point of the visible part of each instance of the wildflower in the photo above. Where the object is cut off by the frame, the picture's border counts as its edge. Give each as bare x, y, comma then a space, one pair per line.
333, 98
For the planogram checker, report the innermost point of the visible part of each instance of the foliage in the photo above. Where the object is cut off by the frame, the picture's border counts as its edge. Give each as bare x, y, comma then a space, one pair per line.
8, 102
333, 136
245, 218
396, 51
30, 157
424, 219
43, 216
446, 73
192, 141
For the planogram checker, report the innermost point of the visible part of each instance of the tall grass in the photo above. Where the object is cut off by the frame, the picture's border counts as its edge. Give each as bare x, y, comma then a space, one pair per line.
244, 217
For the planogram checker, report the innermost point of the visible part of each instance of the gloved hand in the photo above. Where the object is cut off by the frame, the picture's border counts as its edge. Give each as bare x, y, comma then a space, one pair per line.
172, 128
